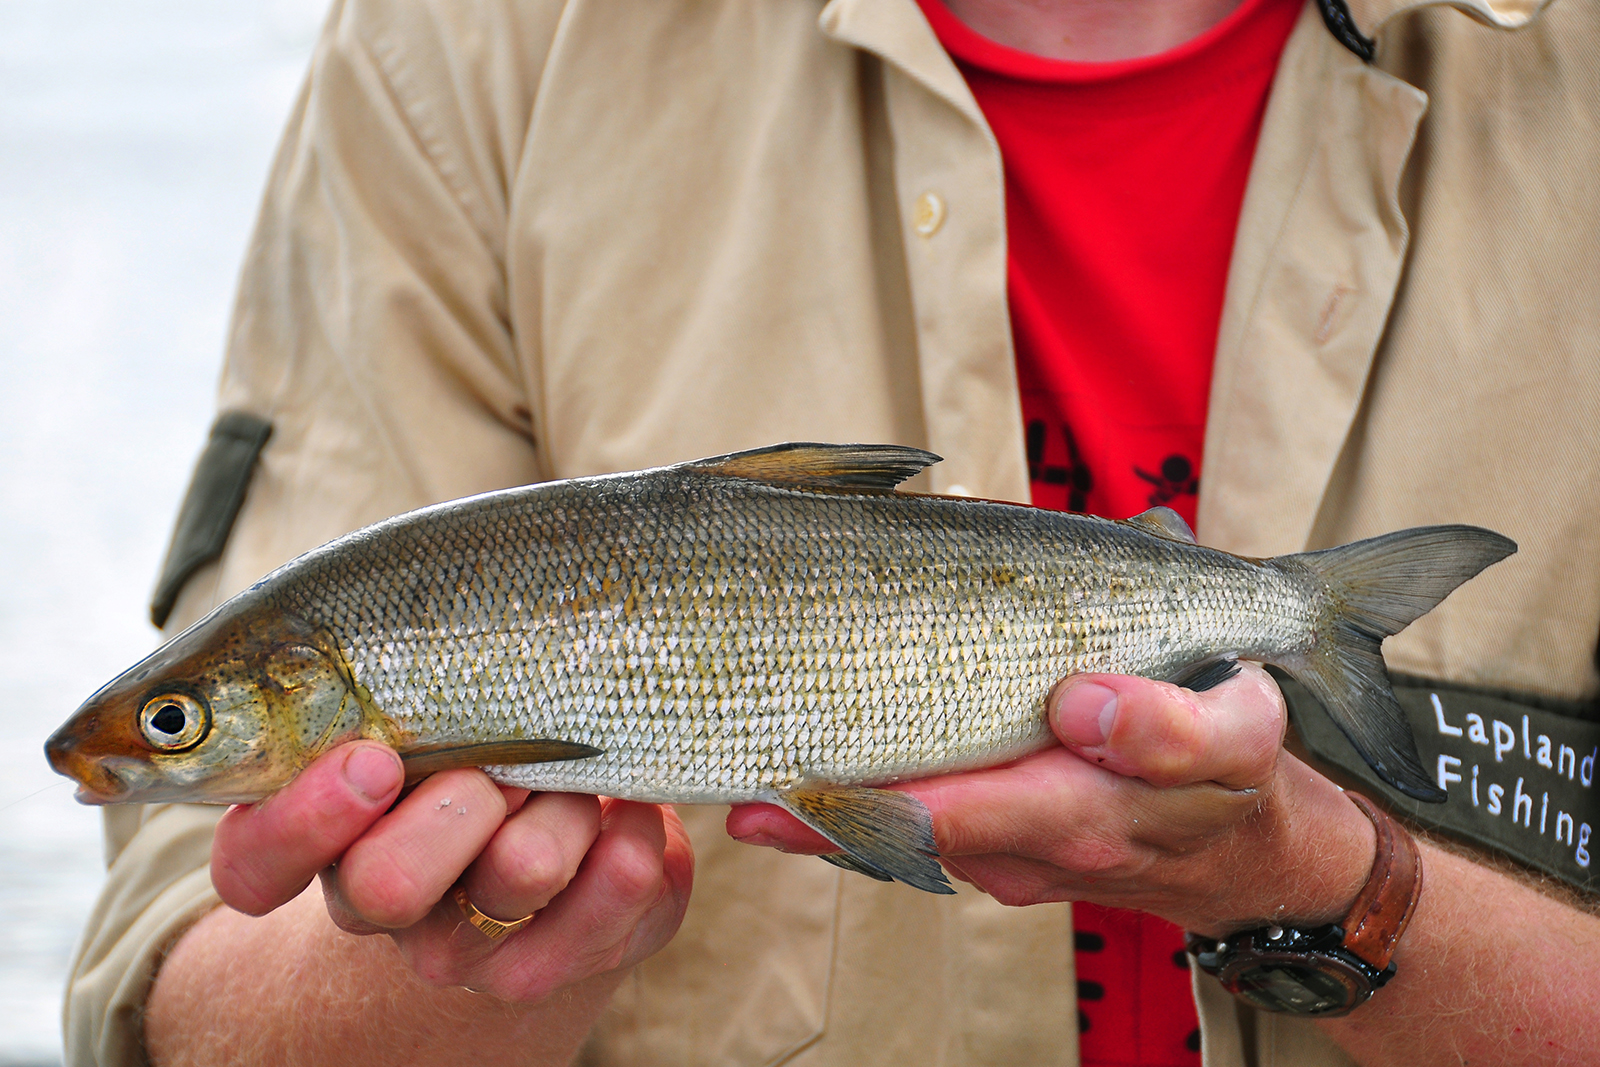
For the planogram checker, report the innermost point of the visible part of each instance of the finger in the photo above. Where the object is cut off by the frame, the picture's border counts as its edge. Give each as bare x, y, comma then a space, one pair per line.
515, 797
534, 855
661, 920
1053, 827
636, 870
400, 869
264, 854
343, 916
1027, 807
772, 827
621, 878
1171, 736
1017, 881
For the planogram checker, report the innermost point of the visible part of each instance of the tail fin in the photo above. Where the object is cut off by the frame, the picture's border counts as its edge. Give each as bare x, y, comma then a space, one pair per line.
1376, 588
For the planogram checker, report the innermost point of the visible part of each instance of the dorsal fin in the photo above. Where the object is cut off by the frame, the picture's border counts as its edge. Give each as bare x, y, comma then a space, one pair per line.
875, 467
1163, 522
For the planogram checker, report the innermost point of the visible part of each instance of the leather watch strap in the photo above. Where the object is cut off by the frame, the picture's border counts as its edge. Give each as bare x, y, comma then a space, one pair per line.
1385, 904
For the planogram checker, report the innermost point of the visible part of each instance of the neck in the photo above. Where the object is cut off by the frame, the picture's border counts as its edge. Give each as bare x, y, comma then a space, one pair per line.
1091, 31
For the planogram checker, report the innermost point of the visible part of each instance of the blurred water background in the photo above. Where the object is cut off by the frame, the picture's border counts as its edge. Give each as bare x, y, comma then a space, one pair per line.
134, 139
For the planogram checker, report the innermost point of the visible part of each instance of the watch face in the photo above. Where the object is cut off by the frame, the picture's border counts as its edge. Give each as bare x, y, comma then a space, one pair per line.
1296, 984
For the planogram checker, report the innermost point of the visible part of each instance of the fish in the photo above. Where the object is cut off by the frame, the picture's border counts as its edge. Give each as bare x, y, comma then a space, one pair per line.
782, 624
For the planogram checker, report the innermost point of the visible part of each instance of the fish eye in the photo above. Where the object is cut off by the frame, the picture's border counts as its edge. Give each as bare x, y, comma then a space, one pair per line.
173, 722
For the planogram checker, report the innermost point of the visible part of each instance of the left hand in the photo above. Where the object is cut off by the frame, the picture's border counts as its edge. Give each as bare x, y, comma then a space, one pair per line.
1177, 803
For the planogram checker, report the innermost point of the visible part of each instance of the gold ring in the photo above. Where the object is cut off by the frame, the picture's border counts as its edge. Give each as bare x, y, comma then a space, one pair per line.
492, 928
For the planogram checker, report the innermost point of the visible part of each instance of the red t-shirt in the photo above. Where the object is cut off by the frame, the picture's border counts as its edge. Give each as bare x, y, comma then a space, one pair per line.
1124, 182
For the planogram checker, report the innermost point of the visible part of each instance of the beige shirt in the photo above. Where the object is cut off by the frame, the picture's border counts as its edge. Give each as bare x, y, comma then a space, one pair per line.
510, 241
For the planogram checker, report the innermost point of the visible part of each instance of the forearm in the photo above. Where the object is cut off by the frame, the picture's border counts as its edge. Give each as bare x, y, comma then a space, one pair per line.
290, 987
1490, 971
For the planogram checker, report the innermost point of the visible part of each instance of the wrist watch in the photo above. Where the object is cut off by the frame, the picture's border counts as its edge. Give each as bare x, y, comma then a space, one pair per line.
1329, 970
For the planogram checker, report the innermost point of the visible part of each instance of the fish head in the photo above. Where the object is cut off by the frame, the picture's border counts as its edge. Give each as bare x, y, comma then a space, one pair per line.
227, 712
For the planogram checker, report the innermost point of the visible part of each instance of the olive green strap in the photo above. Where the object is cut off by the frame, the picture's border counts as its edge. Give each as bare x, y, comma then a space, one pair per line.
215, 493
1520, 776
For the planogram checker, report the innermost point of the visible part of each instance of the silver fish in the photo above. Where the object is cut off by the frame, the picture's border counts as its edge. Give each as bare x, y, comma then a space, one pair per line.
777, 625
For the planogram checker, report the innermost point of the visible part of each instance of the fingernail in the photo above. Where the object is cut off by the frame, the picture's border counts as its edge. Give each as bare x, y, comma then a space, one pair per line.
1084, 712
372, 772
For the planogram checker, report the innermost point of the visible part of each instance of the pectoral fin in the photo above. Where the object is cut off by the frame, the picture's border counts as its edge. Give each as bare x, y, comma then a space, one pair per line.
885, 834
424, 760
1207, 674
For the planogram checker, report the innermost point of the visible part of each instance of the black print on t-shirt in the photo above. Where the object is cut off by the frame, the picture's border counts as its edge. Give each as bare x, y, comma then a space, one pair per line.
1177, 478
1075, 475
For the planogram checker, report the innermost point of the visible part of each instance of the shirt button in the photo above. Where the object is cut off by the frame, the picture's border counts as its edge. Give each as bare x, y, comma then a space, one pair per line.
928, 214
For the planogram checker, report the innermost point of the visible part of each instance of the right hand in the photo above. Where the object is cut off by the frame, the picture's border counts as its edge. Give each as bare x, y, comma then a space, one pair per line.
609, 879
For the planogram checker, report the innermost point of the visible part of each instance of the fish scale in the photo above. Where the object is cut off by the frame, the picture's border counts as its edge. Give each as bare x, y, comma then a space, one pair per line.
605, 605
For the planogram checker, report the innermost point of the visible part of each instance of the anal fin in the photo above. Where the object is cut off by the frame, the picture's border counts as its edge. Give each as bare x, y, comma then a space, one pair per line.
423, 760
1207, 674
885, 834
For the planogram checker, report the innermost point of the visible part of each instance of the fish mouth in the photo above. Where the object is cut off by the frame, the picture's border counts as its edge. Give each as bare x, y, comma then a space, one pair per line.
97, 782
89, 796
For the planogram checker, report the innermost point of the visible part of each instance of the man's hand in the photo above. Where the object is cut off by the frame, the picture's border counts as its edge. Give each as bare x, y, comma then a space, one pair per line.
1177, 803
610, 880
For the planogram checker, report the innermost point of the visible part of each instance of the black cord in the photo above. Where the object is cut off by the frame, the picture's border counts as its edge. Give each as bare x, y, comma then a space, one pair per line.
1336, 15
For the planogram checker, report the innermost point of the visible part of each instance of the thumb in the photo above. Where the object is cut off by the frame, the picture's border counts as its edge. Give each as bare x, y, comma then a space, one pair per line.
1171, 736
264, 854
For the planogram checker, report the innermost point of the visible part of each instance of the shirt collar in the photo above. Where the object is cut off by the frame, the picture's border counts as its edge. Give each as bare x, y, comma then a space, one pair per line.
1372, 15
896, 30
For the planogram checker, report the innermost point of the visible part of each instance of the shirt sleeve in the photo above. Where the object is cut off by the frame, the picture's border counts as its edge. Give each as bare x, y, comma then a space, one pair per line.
372, 331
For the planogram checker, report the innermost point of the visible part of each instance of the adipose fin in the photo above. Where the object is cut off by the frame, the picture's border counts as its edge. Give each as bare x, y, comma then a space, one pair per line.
1161, 521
